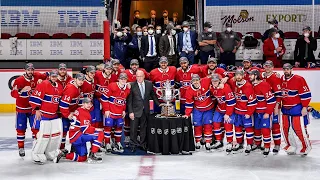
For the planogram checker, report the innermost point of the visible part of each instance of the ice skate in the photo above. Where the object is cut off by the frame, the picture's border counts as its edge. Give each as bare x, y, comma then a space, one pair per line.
59, 156
304, 152
229, 148
276, 149
237, 148
290, 150
93, 158
217, 146
248, 149
202, 141
198, 146
38, 162
108, 148
118, 148
22, 153
126, 141
64, 151
266, 152
208, 147
257, 148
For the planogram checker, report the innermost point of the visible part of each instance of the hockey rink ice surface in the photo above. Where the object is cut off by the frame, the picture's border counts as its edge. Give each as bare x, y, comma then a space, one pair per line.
201, 165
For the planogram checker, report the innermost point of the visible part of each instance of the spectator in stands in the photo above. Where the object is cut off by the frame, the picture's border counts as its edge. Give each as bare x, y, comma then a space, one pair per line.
175, 19
137, 20
187, 43
228, 43
120, 45
207, 40
165, 19
159, 31
126, 30
149, 49
305, 45
168, 46
135, 45
273, 48
145, 31
273, 24
153, 18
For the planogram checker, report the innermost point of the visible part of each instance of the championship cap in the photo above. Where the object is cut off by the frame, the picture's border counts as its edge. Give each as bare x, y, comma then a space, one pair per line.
273, 21
287, 66
86, 100
134, 61
212, 59
62, 66
207, 24
127, 28
239, 71
53, 73
91, 69
123, 76
215, 77
195, 77
228, 24
29, 66
163, 59
268, 63
306, 28
115, 61
80, 76
246, 59
255, 72
107, 66
150, 26
185, 24
183, 59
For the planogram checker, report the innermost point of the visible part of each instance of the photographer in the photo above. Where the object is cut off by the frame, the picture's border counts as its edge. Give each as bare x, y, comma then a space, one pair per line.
120, 38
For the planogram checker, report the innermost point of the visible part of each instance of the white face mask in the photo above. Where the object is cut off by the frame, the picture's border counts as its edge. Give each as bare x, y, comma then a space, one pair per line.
173, 32
139, 33
158, 31
119, 34
210, 30
271, 26
150, 31
306, 34
185, 29
277, 35
145, 33
229, 29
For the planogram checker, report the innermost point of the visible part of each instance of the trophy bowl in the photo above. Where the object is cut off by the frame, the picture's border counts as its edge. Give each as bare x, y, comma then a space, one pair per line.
167, 93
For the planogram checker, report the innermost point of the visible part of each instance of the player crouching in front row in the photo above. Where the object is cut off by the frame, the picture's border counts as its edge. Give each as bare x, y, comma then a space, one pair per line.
81, 131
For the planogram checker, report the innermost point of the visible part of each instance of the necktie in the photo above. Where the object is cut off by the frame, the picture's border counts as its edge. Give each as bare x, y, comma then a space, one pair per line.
142, 90
151, 45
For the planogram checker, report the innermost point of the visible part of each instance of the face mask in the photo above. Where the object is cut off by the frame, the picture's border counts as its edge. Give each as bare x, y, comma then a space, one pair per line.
139, 33
145, 33
229, 29
271, 26
165, 15
210, 30
119, 34
277, 35
173, 32
137, 15
306, 34
185, 29
150, 31
158, 31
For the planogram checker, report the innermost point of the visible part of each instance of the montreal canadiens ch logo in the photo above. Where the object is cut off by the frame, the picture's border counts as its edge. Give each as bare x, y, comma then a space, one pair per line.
120, 102
55, 99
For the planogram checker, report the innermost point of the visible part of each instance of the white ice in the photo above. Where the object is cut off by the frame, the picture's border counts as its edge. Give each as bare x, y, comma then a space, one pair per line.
201, 165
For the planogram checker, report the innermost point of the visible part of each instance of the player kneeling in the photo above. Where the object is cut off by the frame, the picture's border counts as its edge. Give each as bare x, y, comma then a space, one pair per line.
81, 131
224, 112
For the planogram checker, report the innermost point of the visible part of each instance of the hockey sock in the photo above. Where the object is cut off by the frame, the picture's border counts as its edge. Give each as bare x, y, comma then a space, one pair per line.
276, 133
299, 131
222, 130
117, 134
107, 133
285, 129
126, 127
112, 133
96, 144
20, 138
198, 133
34, 133
266, 132
217, 131
249, 135
257, 137
229, 132
63, 140
76, 157
239, 135
207, 130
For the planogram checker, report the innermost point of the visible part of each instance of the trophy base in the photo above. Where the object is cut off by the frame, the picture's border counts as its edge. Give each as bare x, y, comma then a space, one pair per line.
168, 111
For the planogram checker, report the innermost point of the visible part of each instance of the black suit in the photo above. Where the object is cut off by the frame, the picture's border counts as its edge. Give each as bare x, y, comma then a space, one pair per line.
300, 51
155, 22
164, 49
141, 109
149, 61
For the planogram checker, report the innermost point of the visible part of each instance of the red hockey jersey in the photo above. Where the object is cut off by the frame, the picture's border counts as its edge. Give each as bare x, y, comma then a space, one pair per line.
102, 82
115, 100
22, 98
199, 98
265, 99
295, 91
159, 76
88, 89
184, 78
245, 99
225, 98
46, 97
246, 72
70, 99
132, 75
64, 81
275, 82
81, 124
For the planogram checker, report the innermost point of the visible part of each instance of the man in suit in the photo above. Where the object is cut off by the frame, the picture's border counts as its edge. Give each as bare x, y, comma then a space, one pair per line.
139, 109
165, 19
273, 48
305, 45
168, 46
149, 49
137, 20
153, 19
187, 43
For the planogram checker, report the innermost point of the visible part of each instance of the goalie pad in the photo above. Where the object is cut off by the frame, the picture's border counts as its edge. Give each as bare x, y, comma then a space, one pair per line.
55, 139
43, 138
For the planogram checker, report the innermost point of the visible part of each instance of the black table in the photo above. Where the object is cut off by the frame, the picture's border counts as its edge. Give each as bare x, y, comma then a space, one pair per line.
170, 135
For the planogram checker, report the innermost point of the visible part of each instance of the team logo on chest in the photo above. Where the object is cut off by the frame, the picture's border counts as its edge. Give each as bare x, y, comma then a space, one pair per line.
55, 99
103, 90
120, 101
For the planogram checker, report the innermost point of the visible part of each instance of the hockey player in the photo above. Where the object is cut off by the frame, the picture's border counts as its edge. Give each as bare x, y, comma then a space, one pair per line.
45, 104
21, 91
116, 67
224, 112
296, 97
69, 103
274, 80
82, 132
114, 106
102, 79
183, 77
245, 105
160, 75
211, 68
63, 77
199, 103
263, 114
247, 67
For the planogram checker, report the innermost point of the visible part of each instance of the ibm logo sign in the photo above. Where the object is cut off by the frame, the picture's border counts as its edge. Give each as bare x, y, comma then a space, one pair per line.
22, 18
78, 19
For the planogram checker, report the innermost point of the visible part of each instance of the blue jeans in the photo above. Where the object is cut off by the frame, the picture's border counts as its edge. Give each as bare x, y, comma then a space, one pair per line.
205, 55
189, 56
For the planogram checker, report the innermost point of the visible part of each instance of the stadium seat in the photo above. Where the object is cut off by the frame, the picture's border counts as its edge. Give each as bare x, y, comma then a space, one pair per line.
23, 36
78, 36
256, 35
60, 36
96, 36
291, 35
5, 36
41, 36
239, 34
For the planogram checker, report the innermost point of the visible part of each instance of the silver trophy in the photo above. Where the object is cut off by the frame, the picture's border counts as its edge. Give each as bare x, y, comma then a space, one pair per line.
167, 93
